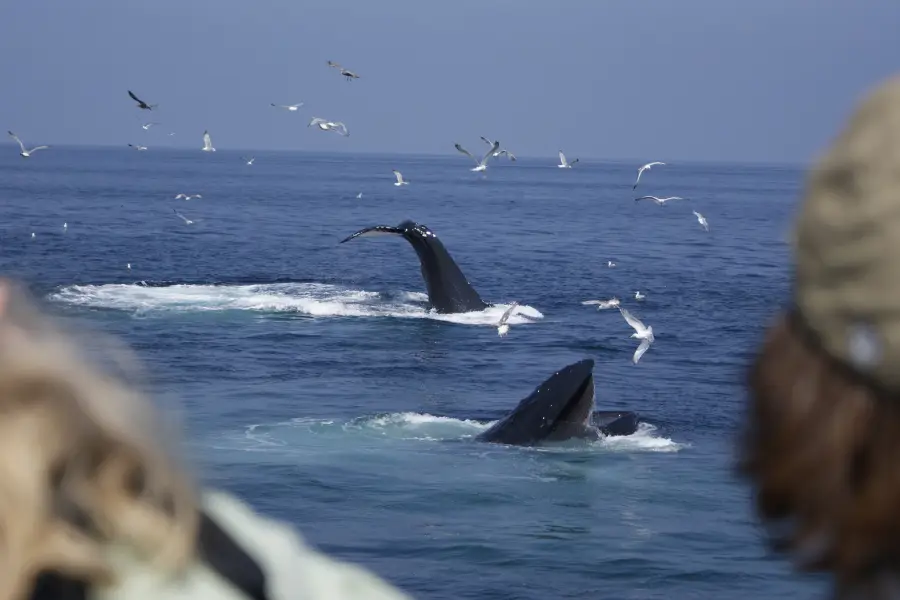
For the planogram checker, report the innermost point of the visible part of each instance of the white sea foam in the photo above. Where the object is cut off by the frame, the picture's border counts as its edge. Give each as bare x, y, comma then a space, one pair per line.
311, 299
427, 427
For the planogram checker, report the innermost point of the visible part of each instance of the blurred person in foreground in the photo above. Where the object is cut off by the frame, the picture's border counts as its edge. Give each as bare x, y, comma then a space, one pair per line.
93, 507
821, 444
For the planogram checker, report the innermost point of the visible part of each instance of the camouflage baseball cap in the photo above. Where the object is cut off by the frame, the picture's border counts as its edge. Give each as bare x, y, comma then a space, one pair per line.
847, 241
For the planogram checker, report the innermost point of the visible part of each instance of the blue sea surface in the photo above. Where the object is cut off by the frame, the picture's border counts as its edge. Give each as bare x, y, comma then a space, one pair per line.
312, 381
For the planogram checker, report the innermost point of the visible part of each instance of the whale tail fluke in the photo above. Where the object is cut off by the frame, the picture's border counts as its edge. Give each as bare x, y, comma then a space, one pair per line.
373, 231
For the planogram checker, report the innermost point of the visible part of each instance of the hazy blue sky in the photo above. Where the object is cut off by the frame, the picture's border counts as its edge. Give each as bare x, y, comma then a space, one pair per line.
760, 80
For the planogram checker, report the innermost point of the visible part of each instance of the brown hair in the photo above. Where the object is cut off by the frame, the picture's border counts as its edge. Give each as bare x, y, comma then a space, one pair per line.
82, 465
821, 446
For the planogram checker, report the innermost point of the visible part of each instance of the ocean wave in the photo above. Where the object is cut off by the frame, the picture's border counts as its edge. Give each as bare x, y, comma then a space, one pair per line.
310, 299
412, 426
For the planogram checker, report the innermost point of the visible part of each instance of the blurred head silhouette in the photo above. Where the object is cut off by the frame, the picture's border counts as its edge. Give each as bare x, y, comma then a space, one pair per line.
81, 467
821, 444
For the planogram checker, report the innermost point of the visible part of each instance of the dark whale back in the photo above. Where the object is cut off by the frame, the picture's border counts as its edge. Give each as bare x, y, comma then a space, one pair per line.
560, 408
448, 289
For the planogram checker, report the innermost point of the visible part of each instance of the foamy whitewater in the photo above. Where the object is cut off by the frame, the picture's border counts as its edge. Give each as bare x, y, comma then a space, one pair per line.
313, 299
312, 380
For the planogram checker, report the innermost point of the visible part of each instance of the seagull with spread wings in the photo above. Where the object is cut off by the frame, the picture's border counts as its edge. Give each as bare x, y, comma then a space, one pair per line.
207, 143
641, 332
645, 168
324, 125
288, 107
141, 104
480, 165
501, 151
346, 73
25, 153
400, 181
563, 163
502, 325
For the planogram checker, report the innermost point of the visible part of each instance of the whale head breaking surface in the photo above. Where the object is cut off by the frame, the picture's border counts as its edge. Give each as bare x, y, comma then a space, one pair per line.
448, 289
561, 408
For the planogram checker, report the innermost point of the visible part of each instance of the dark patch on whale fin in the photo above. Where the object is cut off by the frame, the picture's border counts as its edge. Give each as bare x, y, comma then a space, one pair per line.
373, 231
559, 407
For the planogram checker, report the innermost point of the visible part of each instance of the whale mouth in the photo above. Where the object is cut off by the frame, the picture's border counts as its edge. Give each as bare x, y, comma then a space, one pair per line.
560, 408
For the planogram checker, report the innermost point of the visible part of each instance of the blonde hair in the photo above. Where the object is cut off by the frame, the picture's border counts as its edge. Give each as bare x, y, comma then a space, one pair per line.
82, 465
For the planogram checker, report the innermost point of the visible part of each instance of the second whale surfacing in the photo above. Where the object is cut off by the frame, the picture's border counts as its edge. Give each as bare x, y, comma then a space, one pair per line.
559, 409
448, 289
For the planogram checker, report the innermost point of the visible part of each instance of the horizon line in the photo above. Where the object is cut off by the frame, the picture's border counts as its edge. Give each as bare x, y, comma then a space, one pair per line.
593, 159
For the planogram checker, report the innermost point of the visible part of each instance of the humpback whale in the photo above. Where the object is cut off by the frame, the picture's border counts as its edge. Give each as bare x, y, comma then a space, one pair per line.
560, 408
448, 289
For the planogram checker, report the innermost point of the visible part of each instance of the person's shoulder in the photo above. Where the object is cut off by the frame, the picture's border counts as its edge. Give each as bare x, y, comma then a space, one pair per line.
291, 568
289, 563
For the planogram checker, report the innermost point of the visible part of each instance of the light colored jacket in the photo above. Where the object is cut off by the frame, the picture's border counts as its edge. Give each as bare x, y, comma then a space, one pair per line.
292, 569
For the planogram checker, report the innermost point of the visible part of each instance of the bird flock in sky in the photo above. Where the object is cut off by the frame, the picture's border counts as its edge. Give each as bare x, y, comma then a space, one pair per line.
494, 151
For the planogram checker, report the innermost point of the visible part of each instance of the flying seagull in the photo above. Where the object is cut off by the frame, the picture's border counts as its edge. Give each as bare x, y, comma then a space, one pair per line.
645, 334
701, 219
563, 164
207, 143
645, 168
500, 152
659, 201
610, 264
290, 107
249, 161
25, 153
639, 296
187, 196
502, 325
141, 104
602, 304
399, 176
348, 74
147, 126
329, 126
480, 165
137, 146
183, 218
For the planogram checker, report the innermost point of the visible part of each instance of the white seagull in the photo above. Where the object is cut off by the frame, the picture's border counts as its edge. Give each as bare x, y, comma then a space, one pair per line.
701, 219
290, 107
645, 334
659, 201
480, 165
25, 153
207, 143
563, 164
501, 152
359, 195
400, 181
249, 161
329, 126
610, 264
187, 196
137, 146
147, 126
183, 218
602, 304
639, 296
502, 325
645, 168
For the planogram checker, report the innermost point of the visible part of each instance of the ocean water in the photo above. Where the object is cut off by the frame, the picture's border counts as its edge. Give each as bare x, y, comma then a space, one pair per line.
312, 381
